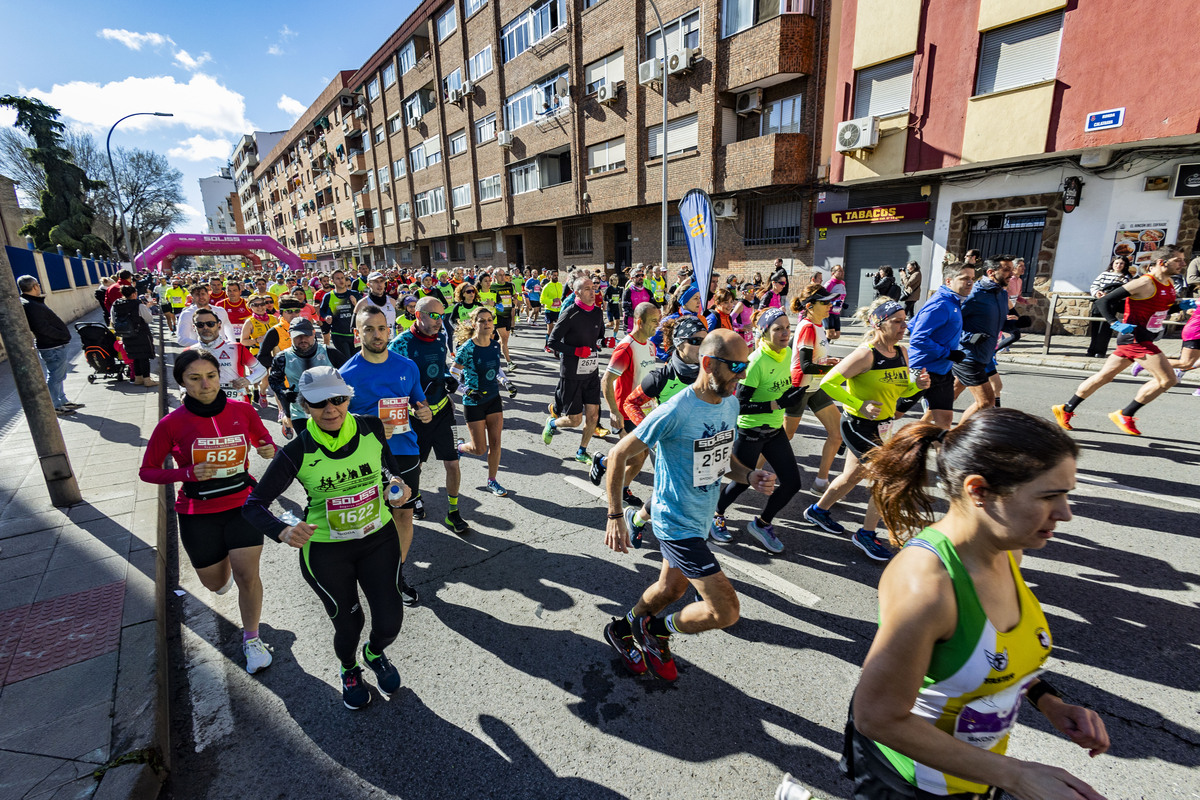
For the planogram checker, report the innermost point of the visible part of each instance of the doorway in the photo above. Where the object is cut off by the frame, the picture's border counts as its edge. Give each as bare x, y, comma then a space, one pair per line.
1017, 233
623, 246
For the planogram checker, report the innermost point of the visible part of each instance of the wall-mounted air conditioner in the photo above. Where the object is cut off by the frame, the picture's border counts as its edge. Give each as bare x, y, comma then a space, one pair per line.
749, 103
650, 72
857, 134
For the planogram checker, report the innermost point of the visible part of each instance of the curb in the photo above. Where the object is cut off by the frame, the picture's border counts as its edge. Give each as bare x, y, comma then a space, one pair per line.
1085, 365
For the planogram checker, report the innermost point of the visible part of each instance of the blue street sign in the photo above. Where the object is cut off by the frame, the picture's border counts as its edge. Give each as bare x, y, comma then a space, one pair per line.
1102, 120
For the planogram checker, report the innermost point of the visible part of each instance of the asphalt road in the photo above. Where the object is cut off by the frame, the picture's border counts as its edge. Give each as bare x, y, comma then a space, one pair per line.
510, 690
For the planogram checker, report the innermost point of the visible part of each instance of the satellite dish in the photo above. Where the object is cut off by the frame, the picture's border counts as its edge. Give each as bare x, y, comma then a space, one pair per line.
560, 87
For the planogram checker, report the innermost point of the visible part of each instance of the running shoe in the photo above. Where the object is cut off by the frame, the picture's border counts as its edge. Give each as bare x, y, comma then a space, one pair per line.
629, 497
1063, 417
819, 485
548, 431
1196, 393
597, 471
657, 650
583, 457
419, 509
719, 531
455, 522
1178, 376
550, 408
626, 648
548, 350
408, 595
765, 534
257, 655
865, 540
510, 366
75, 406
496, 488
1127, 424
355, 694
288, 433
822, 519
1136, 370
387, 677
63, 411
636, 529
601, 432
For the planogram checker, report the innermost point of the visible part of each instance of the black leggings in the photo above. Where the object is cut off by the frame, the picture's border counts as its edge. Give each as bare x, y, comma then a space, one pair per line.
777, 449
335, 570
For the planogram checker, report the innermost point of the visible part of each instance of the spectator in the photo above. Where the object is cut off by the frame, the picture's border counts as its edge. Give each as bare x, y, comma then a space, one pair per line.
131, 321
885, 284
1100, 332
1193, 277
113, 293
912, 287
51, 337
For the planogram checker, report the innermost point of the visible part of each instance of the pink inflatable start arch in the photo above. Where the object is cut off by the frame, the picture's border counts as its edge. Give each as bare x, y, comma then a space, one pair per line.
168, 246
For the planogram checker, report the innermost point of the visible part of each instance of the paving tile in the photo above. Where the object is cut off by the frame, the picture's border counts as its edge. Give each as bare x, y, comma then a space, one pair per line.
99, 510
70, 554
23, 566
57, 693
139, 588
78, 789
70, 777
26, 521
85, 576
83, 734
67, 630
19, 773
27, 543
101, 528
12, 622
19, 592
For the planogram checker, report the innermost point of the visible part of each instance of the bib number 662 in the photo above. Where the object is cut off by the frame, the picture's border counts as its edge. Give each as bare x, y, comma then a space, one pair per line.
220, 456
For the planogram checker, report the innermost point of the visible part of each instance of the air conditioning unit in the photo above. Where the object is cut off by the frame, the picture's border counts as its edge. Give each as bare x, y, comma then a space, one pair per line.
679, 61
347, 101
650, 72
454, 95
725, 208
749, 103
858, 134
387, 188
468, 88
504, 138
345, 126
414, 122
361, 112
607, 93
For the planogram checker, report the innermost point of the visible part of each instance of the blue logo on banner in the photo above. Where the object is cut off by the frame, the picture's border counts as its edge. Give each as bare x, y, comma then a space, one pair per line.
696, 211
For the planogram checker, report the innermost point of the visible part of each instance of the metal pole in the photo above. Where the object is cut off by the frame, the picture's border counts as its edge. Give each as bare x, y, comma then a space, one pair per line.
34, 392
662, 35
113, 170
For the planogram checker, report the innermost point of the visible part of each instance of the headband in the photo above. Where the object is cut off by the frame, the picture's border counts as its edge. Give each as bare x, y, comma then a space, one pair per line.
687, 294
885, 310
768, 317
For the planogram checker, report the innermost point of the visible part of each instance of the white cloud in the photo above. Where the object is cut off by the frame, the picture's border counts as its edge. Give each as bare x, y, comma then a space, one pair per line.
185, 60
291, 106
196, 221
274, 50
134, 40
197, 148
286, 34
201, 104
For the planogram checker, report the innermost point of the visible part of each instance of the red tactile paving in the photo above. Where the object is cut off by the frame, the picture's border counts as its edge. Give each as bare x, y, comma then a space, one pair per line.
12, 622
67, 629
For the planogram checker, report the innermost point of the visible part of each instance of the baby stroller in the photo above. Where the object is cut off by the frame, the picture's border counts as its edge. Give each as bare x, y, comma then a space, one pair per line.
100, 348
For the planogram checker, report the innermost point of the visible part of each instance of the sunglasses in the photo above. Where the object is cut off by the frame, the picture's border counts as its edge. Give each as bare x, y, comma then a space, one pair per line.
337, 401
434, 315
207, 324
736, 367
468, 291
695, 341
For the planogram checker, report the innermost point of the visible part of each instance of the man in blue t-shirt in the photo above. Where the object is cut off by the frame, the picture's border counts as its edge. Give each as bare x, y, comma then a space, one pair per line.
388, 386
692, 435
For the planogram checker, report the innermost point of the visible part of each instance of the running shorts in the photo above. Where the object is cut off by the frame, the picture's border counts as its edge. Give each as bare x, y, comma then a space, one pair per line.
410, 473
504, 322
572, 395
437, 435
551, 317
814, 399
861, 435
1191, 344
940, 394
690, 556
971, 373
833, 322
534, 303
208, 538
1137, 350
614, 313
479, 413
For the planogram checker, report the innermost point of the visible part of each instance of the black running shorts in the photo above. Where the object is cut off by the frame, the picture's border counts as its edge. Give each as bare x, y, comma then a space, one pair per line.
690, 556
573, 394
208, 538
437, 435
479, 413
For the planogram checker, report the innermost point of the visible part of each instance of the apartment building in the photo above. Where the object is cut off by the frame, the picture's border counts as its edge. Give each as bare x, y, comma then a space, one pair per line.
242, 164
1010, 127
493, 131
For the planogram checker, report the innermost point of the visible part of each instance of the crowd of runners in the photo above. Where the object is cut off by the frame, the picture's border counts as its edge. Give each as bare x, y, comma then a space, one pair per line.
367, 373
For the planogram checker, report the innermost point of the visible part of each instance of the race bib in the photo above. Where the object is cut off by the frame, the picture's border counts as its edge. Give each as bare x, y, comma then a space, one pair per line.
711, 458
1155, 323
984, 721
353, 517
226, 453
556, 303
588, 365
394, 411
234, 394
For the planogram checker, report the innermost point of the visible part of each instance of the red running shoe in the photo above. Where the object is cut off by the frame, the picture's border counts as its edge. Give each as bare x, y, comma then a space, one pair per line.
1127, 424
657, 650
626, 648
1062, 417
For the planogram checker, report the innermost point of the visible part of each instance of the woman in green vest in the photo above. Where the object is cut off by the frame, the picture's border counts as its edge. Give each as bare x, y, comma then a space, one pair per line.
347, 538
961, 637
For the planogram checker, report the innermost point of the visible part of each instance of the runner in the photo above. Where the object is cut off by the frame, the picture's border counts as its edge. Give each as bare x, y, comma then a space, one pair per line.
533, 295
810, 358
185, 331
504, 293
1147, 301
236, 307
765, 391
161, 294
877, 375
686, 304
836, 285
612, 301
348, 538
1189, 354
961, 637
577, 338
254, 330
692, 436
337, 313
240, 370
425, 343
983, 314
935, 338
466, 300
377, 297
405, 320
306, 352
177, 297
279, 337
477, 369
721, 315
551, 298
638, 291
209, 438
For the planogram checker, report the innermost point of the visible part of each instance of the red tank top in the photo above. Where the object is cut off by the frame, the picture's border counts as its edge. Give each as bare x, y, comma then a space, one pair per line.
1149, 314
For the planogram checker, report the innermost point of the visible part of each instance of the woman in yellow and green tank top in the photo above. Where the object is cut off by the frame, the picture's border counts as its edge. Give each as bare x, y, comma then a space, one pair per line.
961, 638
875, 376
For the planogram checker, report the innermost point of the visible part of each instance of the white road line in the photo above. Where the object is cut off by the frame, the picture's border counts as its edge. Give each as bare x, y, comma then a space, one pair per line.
766, 577
1109, 483
580, 483
212, 719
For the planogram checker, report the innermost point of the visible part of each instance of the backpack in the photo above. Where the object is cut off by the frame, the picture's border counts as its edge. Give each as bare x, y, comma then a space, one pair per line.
125, 317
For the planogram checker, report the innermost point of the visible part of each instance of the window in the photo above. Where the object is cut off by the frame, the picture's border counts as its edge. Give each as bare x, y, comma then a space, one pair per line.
395, 123
675, 234
682, 135
682, 32
431, 202
489, 188
485, 129
452, 82
523, 107
471, 6
366, 140
408, 56
531, 26
389, 216
738, 15
606, 156
461, 195
389, 75
773, 223
577, 238
523, 177
370, 180
379, 134
1020, 54
399, 168
447, 22
416, 157
481, 63
884, 89
373, 90
458, 250
433, 151
610, 69
405, 214
406, 256
441, 250
782, 116
458, 142
482, 248
383, 175
374, 218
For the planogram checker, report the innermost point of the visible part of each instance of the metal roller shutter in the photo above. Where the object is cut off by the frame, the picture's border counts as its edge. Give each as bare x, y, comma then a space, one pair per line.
1019, 54
866, 254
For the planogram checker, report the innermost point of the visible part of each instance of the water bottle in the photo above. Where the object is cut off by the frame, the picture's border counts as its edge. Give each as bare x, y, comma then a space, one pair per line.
790, 789
395, 493
290, 519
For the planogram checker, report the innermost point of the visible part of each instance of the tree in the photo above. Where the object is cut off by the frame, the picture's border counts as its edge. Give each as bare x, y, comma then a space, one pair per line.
66, 217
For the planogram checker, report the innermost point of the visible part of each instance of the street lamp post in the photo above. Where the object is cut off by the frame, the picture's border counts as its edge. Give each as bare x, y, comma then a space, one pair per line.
662, 36
113, 170
353, 203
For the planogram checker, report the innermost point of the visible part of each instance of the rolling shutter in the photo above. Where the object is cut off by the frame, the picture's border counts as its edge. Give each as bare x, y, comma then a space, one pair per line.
682, 134
1020, 54
883, 89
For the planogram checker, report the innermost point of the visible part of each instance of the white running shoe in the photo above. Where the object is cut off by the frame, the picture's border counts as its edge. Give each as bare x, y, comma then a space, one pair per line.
819, 486
258, 656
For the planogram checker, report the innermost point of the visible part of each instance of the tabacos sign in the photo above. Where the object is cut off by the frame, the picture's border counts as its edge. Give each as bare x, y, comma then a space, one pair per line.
872, 215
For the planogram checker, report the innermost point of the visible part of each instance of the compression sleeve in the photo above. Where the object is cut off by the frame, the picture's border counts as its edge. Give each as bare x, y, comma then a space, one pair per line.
277, 378
279, 476
831, 384
810, 367
1109, 306
748, 406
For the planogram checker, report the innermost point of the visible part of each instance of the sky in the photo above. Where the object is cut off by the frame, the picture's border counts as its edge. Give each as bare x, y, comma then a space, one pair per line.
222, 68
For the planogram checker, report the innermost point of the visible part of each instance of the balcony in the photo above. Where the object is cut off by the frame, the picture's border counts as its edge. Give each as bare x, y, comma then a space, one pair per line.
775, 159
356, 163
778, 50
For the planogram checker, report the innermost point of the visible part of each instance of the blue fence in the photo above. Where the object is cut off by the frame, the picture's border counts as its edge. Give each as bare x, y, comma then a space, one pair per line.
56, 271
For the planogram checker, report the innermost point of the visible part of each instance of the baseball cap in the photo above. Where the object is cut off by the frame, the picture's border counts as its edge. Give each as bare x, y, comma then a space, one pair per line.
820, 296
302, 326
322, 383
687, 327
375, 276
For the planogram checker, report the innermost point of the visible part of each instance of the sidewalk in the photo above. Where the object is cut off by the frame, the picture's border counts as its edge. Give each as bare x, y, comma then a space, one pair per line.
78, 634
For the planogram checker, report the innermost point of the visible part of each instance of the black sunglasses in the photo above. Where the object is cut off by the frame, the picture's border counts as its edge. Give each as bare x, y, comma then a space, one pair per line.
695, 341
207, 324
337, 401
736, 367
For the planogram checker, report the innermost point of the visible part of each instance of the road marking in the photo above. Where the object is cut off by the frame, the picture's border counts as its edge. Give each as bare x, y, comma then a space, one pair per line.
212, 719
1109, 483
580, 483
766, 577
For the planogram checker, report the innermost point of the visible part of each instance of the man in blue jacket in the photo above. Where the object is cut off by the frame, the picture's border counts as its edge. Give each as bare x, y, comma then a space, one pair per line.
934, 336
983, 315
